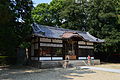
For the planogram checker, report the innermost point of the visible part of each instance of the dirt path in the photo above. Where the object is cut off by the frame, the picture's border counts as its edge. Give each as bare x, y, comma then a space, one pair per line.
109, 65
102, 69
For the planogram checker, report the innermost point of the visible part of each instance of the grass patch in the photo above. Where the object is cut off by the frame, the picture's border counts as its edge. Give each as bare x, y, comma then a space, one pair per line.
4, 56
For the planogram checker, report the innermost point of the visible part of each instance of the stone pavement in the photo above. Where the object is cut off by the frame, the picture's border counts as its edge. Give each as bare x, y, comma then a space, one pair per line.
101, 69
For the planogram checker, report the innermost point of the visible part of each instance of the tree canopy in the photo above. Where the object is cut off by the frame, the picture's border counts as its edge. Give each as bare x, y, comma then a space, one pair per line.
48, 14
15, 21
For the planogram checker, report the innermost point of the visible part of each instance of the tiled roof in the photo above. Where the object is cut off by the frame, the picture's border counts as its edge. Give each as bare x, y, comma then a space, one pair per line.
53, 32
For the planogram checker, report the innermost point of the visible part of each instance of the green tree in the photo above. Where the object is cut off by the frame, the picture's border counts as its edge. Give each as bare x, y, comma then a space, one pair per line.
74, 15
15, 24
118, 9
103, 23
48, 14
7, 36
56, 6
41, 14
64, 13
23, 21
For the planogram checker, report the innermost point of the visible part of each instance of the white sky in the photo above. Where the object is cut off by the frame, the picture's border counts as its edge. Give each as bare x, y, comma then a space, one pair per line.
36, 2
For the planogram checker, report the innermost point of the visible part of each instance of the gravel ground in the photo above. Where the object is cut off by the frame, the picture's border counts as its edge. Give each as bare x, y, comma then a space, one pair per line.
28, 73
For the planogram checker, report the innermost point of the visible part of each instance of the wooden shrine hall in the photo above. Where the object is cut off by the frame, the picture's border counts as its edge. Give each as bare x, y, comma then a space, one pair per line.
53, 44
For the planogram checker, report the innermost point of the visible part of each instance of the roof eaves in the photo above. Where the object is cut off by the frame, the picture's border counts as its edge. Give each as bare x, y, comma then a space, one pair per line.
94, 38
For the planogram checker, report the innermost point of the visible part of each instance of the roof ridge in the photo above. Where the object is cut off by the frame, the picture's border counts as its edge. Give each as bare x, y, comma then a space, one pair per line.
60, 28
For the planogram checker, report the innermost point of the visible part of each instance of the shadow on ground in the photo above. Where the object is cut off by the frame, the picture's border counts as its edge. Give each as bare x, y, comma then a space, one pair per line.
28, 73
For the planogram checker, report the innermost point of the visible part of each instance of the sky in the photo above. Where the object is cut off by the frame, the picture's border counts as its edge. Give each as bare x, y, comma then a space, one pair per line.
36, 2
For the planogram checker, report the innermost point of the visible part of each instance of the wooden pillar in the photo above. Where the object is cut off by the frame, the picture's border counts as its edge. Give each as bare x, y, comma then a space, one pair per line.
38, 48
77, 50
63, 49
86, 50
51, 50
34, 45
29, 53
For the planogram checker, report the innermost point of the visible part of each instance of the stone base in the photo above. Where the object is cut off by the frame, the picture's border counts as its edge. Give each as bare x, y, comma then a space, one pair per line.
59, 64
51, 64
